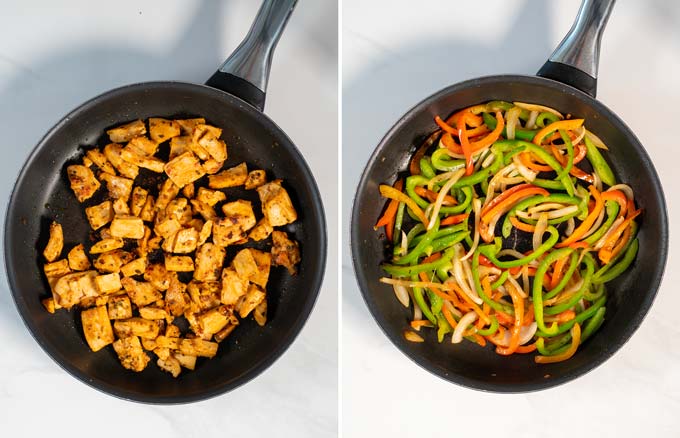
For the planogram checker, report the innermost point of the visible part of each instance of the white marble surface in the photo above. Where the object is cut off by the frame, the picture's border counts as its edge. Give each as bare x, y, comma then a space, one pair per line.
397, 52
55, 55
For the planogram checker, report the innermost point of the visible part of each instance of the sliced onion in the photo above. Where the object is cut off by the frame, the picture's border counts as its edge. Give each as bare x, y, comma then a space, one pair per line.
600, 243
510, 252
544, 207
452, 309
467, 268
402, 294
596, 140
571, 225
441, 178
476, 207
526, 285
493, 183
410, 283
580, 136
553, 214
403, 249
531, 123
625, 188
417, 313
526, 334
541, 226
527, 173
488, 270
518, 288
596, 225
463, 324
512, 117
488, 160
459, 275
597, 182
539, 108
503, 291
442, 194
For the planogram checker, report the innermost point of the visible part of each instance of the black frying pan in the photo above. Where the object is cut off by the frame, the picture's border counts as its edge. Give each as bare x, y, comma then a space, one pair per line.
566, 82
233, 100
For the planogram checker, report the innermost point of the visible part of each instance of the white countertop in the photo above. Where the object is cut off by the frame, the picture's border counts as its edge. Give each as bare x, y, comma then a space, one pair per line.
54, 56
396, 53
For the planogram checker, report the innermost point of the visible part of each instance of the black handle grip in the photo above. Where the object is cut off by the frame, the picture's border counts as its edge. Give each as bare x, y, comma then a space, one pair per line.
569, 75
238, 87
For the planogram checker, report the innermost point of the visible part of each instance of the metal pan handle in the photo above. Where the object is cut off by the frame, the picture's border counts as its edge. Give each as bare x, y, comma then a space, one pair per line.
246, 72
575, 60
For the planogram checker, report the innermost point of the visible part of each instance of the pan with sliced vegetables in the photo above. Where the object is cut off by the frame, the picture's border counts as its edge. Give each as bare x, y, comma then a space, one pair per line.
522, 233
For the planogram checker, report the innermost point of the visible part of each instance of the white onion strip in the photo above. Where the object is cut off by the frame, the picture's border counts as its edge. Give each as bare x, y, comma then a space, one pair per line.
596, 225
463, 324
526, 333
452, 309
402, 294
531, 123
518, 288
526, 173
442, 194
596, 140
554, 214
540, 108
625, 188
571, 225
512, 117
600, 243
541, 226
476, 208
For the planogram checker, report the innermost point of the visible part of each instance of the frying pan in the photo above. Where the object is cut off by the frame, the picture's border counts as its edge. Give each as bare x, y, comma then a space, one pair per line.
567, 82
233, 99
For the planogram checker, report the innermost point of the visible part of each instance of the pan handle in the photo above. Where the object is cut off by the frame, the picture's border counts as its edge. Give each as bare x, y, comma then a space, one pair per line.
575, 60
246, 72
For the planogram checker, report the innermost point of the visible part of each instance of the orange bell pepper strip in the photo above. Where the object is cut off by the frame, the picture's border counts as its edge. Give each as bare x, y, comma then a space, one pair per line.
392, 193
606, 253
455, 219
529, 315
387, 219
521, 225
557, 272
523, 349
449, 318
450, 130
432, 196
475, 120
619, 197
518, 303
567, 125
491, 138
418, 323
431, 258
575, 341
471, 303
505, 204
565, 316
588, 222
414, 165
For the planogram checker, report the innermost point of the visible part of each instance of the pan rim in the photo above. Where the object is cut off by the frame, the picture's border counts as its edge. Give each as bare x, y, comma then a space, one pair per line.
294, 330
512, 388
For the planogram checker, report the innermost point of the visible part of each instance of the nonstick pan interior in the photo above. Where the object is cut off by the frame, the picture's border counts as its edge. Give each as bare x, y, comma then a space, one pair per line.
630, 296
42, 194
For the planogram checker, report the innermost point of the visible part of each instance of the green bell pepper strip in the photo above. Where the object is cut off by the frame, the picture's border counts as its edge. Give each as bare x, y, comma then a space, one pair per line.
412, 256
501, 279
540, 120
445, 242
407, 271
443, 272
534, 200
590, 268
573, 264
520, 133
496, 105
589, 312
413, 232
420, 301
599, 292
549, 184
593, 324
537, 291
443, 327
483, 174
490, 251
620, 267
480, 291
436, 302
570, 152
612, 209
443, 162
418, 180
491, 329
599, 164
555, 345
443, 232
398, 223
426, 168
519, 146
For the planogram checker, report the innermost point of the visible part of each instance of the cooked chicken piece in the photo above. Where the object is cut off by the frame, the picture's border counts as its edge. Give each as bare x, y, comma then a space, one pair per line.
161, 130
285, 252
158, 276
206, 231
206, 143
214, 320
100, 160
55, 244
48, 304
204, 210
262, 230
131, 354
255, 179
135, 326
187, 125
179, 263
152, 313
205, 295
138, 200
170, 364
69, 289
184, 169
99, 215
244, 264
186, 241
234, 177
97, 327
260, 313
167, 228
119, 307
129, 227
233, 286
141, 293
179, 145
253, 298
212, 166
119, 187
112, 261
108, 283
148, 213
172, 331
83, 182
106, 245
133, 156
210, 197
114, 153
57, 269
239, 218
276, 204
263, 260
127, 132
169, 190
209, 261
222, 334
176, 300
189, 190
77, 259
120, 207
176, 208
135, 267
188, 362
143, 146
198, 347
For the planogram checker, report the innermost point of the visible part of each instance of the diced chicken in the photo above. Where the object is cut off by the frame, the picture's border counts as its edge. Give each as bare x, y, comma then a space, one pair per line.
188, 362
263, 260
152, 313
108, 283
143, 146
161, 130
83, 182
129, 227
184, 169
138, 200
205, 295
214, 320
141, 293
176, 208
206, 143
225, 332
179, 263
176, 301
210, 197
131, 354
185, 241
97, 327
260, 313
120, 207
206, 231
100, 160
276, 204
212, 166
209, 261
204, 210
114, 153
179, 145
57, 269
189, 190
187, 125
55, 244
239, 218
285, 252
262, 230
135, 267
106, 245
255, 179
170, 364
253, 298
148, 213
136, 326
77, 258
119, 187
48, 304
127, 132
169, 190
100, 214
158, 276
233, 286
69, 289
198, 347
234, 177
167, 228
119, 307
112, 261
133, 156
